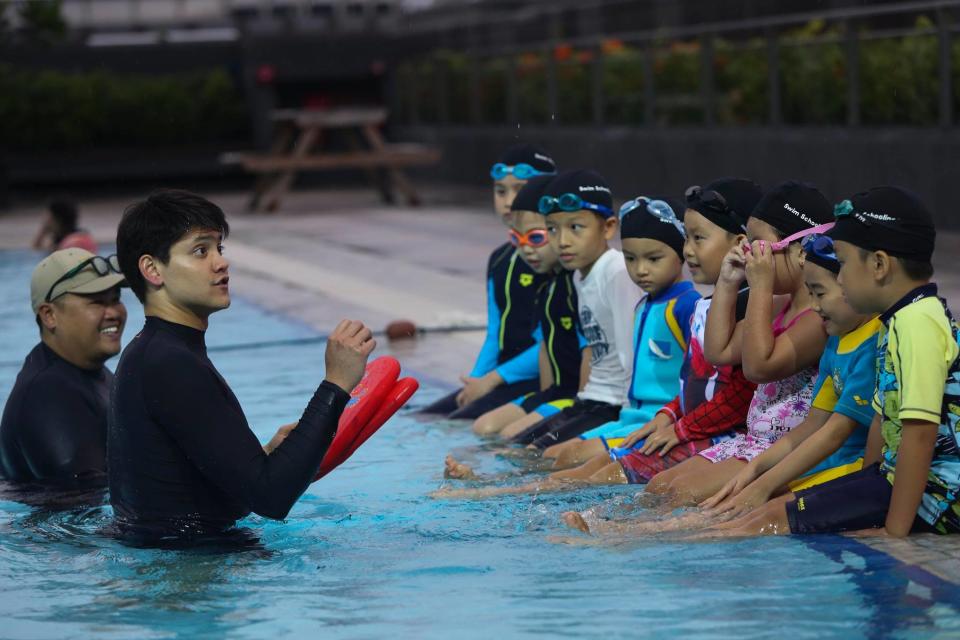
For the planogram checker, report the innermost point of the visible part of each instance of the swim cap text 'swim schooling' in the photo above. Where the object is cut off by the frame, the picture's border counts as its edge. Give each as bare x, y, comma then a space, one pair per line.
799, 215
595, 188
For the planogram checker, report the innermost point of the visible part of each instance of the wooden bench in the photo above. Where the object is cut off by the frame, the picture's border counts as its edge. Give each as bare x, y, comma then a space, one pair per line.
297, 139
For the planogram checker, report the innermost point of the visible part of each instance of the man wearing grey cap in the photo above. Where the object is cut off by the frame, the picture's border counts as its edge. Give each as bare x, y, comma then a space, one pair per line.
54, 425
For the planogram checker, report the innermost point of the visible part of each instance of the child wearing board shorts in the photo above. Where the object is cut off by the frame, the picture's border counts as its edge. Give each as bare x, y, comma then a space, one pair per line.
560, 356
581, 221
910, 481
782, 352
652, 236
506, 366
712, 401
830, 442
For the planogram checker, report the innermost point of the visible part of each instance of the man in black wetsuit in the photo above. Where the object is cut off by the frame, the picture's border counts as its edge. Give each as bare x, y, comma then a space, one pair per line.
182, 459
54, 426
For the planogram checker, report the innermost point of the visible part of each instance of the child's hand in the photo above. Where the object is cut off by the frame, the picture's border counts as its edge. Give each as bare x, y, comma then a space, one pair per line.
735, 485
664, 439
732, 269
751, 497
759, 265
279, 437
476, 388
638, 435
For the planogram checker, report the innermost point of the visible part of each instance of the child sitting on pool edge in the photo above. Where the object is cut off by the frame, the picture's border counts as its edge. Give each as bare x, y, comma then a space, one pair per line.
512, 338
562, 344
884, 240
653, 237
581, 221
712, 400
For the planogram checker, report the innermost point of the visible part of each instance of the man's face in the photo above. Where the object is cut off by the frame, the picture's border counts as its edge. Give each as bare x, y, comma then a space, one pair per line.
88, 327
196, 277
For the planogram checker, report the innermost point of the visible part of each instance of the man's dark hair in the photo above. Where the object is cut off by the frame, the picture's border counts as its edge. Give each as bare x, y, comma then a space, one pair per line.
64, 213
152, 226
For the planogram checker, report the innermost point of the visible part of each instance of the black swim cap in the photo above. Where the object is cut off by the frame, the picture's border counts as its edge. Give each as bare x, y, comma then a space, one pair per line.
641, 223
529, 154
528, 198
887, 219
587, 184
739, 197
793, 206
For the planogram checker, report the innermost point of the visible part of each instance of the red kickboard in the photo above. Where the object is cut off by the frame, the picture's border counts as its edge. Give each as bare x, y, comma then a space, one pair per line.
378, 379
402, 391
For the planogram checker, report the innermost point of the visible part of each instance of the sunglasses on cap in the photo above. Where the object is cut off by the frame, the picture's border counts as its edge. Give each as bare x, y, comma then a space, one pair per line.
570, 202
820, 246
520, 171
534, 238
103, 266
657, 208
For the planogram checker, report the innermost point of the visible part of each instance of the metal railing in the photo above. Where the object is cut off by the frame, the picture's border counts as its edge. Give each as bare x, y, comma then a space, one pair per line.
495, 85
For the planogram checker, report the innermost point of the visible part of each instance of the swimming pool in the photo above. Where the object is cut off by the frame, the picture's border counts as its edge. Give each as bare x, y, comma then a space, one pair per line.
365, 553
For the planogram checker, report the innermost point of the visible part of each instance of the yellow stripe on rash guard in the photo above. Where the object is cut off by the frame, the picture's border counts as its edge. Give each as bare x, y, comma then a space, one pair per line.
825, 476
553, 331
674, 325
506, 292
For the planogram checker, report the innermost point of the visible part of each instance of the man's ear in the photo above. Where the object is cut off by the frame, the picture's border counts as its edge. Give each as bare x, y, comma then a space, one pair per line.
150, 270
47, 313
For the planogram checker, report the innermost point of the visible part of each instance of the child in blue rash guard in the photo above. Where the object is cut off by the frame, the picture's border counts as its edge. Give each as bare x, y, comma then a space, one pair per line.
653, 239
581, 221
506, 366
562, 342
910, 480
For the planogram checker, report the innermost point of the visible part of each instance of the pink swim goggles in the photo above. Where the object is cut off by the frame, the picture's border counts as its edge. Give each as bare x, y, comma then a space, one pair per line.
780, 245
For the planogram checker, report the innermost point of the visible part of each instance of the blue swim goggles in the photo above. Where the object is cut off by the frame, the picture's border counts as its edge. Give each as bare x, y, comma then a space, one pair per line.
570, 202
659, 209
819, 250
520, 171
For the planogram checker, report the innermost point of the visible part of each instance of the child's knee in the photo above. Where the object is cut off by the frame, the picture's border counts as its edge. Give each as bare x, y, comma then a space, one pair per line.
659, 484
485, 425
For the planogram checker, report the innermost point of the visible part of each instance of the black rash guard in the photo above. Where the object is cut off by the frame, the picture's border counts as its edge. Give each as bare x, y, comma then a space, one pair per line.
182, 459
54, 425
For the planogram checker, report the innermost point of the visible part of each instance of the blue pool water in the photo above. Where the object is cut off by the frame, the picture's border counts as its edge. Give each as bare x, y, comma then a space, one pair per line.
366, 554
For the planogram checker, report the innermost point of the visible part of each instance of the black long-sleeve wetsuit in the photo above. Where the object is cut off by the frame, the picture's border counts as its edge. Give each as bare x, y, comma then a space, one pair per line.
182, 459
54, 425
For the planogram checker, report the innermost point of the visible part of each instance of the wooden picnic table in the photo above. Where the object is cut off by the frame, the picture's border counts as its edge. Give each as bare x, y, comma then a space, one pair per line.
296, 146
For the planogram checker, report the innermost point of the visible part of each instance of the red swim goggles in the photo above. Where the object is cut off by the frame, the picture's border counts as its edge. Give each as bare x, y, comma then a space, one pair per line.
534, 238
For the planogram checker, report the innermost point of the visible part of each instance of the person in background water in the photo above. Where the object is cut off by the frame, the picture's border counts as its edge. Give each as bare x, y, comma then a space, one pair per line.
59, 229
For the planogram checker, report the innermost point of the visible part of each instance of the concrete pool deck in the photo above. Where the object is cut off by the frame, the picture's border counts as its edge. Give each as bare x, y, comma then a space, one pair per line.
334, 254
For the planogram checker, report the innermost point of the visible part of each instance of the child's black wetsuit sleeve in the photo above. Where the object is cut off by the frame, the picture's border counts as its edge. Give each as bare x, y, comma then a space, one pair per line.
198, 410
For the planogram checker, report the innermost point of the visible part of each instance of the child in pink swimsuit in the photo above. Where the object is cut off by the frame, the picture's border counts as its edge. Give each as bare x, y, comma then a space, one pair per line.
777, 407
778, 353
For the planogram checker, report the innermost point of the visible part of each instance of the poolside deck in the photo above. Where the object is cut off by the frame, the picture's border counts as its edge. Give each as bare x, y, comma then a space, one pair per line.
334, 254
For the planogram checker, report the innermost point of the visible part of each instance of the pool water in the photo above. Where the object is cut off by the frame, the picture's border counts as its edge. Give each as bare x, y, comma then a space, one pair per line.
366, 553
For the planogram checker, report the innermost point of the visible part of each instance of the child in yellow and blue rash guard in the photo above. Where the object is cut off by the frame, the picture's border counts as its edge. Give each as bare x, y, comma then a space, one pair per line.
507, 365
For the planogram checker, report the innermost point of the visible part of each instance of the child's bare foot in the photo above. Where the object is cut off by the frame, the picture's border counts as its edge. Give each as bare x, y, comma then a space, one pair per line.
457, 470
574, 520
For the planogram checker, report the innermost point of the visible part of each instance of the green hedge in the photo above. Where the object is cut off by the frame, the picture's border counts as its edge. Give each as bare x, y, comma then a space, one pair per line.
899, 81
50, 110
